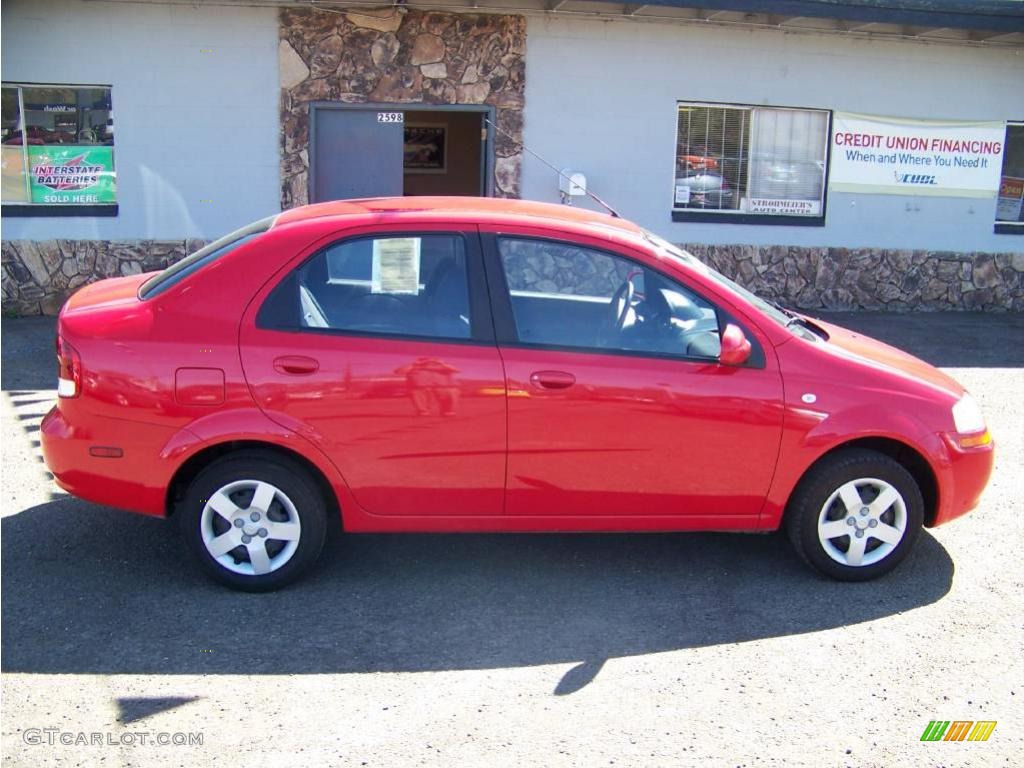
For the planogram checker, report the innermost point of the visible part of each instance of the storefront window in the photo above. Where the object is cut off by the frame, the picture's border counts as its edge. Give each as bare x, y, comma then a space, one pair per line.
1010, 204
58, 149
759, 162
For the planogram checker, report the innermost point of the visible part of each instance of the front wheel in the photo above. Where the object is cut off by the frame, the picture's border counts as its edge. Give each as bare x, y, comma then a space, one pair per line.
855, 515
254, 522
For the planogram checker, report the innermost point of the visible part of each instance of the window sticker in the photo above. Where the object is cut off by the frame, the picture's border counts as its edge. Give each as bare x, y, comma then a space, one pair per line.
396, 265
1010, 206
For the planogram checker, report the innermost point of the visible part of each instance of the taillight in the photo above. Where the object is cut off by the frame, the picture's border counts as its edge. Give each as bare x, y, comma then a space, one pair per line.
69, 370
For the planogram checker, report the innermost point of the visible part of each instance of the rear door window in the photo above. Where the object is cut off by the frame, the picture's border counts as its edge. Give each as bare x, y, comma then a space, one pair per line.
395, 285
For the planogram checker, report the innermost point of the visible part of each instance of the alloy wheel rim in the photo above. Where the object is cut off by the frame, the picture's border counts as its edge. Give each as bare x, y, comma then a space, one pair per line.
862, 522
250, 527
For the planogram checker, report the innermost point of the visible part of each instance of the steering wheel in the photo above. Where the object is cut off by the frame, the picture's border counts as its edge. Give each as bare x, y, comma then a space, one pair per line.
622, 301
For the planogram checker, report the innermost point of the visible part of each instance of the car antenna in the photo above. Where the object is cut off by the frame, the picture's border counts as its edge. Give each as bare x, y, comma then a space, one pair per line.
588, 193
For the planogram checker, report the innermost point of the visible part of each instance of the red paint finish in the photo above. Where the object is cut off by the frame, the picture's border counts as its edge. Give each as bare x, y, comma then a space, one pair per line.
735, 346
636, 436
136, 481
415, 427
963, 475
484, 435
867, 389
199, 386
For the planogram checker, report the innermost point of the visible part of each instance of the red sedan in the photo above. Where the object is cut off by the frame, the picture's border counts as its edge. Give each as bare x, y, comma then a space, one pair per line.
458, 364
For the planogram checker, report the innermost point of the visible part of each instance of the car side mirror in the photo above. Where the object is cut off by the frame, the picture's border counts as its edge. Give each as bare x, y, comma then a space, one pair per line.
735, 346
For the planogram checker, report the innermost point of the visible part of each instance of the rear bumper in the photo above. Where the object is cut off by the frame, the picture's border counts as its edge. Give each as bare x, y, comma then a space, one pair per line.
136, 481
963, 477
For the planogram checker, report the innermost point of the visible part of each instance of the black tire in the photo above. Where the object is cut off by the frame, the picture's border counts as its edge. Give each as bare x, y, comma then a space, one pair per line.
817, 487
292, 485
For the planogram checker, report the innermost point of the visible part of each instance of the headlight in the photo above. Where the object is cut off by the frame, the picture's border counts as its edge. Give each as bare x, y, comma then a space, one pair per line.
967, 416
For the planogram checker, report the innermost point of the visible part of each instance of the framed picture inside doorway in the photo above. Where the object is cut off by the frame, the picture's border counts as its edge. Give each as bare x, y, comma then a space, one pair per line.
426, 148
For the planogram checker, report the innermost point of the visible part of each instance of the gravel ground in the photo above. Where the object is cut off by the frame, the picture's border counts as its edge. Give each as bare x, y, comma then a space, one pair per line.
700, 649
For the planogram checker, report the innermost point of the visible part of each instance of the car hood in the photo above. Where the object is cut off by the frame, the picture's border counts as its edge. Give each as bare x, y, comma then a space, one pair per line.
878, 354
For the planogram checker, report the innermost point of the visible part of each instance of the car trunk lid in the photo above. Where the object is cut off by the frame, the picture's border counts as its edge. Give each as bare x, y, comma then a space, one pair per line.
104, 294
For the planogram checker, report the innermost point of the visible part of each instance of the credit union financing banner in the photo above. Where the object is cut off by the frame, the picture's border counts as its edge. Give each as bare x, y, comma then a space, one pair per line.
896, 156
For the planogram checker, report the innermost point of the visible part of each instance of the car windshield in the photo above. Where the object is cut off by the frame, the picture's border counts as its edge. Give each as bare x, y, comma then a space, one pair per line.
177, 272
770, 309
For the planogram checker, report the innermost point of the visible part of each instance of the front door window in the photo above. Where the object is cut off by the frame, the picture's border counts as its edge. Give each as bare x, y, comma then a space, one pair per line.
570, 296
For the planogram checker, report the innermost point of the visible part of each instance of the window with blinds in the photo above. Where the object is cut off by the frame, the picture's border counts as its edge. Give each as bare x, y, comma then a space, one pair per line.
750, 160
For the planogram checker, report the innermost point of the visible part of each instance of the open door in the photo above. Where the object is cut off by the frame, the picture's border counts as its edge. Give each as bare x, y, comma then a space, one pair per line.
445, 153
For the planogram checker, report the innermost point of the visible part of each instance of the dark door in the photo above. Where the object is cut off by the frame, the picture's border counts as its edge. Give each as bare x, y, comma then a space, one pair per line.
356, 153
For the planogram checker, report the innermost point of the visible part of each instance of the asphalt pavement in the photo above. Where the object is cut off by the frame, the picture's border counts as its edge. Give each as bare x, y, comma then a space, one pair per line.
512, 650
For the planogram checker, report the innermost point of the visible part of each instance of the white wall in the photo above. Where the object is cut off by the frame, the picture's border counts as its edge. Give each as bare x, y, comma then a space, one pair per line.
601, 99
189, 126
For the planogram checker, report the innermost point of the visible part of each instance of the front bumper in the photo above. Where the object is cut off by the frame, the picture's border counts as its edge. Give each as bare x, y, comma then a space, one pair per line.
962, 478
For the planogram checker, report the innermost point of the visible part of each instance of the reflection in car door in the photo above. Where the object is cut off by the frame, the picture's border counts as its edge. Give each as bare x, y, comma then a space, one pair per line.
618, 433
379, 349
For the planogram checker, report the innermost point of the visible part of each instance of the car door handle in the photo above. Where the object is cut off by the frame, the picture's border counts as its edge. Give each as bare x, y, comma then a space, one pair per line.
296, 365
552, 379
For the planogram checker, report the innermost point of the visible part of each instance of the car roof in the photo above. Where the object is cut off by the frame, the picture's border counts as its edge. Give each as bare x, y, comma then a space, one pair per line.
460, 208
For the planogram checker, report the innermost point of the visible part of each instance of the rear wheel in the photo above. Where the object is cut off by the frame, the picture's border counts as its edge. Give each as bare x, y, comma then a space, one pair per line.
254, 522
855, 515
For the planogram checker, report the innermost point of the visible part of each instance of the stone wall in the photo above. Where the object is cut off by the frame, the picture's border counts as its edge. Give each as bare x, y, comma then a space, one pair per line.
554, 268
873, 279
38, 275
399, 56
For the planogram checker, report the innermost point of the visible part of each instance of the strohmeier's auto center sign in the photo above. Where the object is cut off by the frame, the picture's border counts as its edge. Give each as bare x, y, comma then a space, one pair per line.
899, 156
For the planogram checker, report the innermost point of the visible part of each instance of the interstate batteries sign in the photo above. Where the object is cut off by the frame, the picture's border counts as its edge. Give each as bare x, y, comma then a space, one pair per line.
895, 156
72, 175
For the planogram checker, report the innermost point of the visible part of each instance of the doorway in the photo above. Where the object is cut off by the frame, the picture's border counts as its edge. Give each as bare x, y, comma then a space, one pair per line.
388, 150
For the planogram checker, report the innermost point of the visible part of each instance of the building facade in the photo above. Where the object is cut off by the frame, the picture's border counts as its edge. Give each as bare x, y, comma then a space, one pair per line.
868, 158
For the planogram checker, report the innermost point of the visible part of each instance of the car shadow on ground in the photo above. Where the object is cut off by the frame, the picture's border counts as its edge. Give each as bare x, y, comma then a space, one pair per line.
90, 590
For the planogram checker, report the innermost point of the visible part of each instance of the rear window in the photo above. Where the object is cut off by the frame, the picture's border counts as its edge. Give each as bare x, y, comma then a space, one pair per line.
192, 263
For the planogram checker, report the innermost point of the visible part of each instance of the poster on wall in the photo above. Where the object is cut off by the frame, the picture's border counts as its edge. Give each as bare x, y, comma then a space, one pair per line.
779, 206
426, 148
902, 156
72, 175
1010, 205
